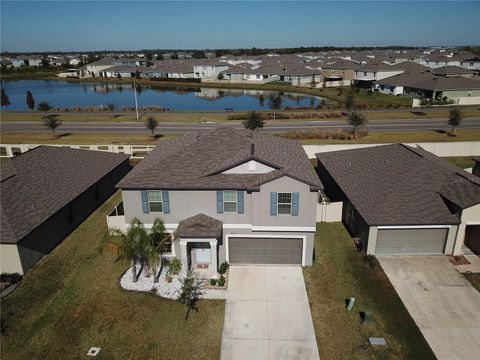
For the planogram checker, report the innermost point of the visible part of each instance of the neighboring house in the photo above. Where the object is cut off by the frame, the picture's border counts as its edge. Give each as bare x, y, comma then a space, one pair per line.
450, 71
338, 73
19, 62
401, 200
46, 193
365, 75
228, 195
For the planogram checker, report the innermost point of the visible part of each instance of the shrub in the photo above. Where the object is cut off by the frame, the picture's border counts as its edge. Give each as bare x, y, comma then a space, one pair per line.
370, 260
174, 266
12, 278
221, 280
213, 282
223, 268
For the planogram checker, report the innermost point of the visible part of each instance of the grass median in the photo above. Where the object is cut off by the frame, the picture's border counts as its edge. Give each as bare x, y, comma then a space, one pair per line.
71, 300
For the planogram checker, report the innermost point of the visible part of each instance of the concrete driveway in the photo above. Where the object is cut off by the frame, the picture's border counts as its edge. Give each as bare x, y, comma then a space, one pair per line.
442, 302
267, 315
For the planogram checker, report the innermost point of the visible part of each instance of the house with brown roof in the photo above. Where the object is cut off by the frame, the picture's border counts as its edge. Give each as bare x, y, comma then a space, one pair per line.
400, 200
228, 195
46, 193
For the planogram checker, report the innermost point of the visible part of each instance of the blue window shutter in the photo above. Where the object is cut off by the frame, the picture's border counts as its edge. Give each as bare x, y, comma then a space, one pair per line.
240, 202
219, 202
295, 201
166, 202
273, 203
145, 202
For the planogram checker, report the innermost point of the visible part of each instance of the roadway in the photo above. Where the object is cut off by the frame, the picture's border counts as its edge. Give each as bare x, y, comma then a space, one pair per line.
276, 127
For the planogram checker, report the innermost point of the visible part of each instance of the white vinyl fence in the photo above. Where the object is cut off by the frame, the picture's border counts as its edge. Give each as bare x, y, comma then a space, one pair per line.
454, 148
329, 212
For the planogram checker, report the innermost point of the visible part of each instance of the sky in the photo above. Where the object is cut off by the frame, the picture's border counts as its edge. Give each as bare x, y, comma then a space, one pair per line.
29, 26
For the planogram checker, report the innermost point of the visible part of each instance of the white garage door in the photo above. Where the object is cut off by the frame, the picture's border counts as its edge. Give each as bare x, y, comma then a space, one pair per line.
411, 241
249, 250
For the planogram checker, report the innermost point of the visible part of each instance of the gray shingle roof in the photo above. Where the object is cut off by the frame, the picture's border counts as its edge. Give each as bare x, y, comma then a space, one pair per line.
199, 226
400, 185
197, 160
43, 180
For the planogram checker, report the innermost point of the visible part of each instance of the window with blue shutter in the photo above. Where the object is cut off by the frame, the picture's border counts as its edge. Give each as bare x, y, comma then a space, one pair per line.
219, 202
145, 202
166, 202
273, 203
295, 203
240, 202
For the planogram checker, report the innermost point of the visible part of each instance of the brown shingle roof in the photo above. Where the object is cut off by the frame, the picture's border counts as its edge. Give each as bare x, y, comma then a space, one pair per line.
196, 160
199, 226
44, 180
399, 185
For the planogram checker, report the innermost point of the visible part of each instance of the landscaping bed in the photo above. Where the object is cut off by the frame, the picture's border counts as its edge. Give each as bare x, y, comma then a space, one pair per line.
340, 272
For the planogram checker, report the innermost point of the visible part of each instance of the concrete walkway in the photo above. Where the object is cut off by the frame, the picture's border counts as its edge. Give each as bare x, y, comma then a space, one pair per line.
267, 315
442, 302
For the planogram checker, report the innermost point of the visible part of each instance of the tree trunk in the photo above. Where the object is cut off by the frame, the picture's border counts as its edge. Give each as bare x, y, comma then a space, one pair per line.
274, 113
355, 132
134, 272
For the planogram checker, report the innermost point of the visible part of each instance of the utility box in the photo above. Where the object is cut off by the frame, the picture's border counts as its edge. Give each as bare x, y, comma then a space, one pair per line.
367, 318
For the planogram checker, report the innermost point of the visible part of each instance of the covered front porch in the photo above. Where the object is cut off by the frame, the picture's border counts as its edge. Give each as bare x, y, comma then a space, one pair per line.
198, 237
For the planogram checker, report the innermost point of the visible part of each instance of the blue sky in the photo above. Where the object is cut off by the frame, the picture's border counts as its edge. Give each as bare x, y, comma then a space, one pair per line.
134, 25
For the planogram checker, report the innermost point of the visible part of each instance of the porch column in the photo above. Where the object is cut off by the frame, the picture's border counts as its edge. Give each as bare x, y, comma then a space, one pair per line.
213, 256
183, 255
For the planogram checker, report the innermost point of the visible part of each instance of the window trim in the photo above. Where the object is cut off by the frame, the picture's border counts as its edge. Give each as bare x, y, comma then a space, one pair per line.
230, 202
291, 202
149, 201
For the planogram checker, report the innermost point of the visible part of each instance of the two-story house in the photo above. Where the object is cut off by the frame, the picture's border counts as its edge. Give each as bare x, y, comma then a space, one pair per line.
228, 195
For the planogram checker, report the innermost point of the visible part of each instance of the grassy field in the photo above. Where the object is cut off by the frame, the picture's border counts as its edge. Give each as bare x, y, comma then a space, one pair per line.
71, 300
463, 162
339, 273
219, 116
403, 136
474, 279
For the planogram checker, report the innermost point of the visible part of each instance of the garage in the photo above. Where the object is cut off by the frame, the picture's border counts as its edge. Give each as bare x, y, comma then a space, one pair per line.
411, 241
472, 238
265, 250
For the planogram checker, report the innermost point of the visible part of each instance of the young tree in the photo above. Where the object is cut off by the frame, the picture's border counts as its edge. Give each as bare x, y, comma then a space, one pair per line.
190, 292
5, 99
454, 119
356, 120
30, 100
261, 100
155, 247
349, 102
44, 106
52, 122
253, 121
151, 123
111, 107
275, 103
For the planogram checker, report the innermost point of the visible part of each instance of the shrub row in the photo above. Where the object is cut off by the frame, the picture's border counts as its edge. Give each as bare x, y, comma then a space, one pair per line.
324, 134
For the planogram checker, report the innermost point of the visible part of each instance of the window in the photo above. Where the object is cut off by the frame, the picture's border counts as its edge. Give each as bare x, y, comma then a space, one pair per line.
364, 73
229, 201
155, 203
284, 201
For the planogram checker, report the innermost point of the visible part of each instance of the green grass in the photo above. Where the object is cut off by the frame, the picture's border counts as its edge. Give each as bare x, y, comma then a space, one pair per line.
71, 300
400, 136
474, 279
339, 272
463, 162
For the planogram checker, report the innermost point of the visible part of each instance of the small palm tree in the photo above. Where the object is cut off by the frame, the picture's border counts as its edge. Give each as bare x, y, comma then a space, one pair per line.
454, 119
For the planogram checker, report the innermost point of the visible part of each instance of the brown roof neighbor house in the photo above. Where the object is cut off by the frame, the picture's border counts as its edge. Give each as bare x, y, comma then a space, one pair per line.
46, 193
402, 200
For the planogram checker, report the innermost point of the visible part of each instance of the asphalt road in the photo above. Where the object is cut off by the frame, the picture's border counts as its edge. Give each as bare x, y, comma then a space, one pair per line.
175, 128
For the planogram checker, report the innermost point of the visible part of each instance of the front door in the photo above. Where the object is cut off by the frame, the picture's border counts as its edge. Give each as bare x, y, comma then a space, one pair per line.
202, 255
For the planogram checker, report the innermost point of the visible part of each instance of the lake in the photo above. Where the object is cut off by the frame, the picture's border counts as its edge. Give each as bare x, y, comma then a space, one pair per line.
71, 94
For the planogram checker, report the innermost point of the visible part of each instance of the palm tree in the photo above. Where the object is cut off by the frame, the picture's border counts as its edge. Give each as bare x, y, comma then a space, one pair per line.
454, 119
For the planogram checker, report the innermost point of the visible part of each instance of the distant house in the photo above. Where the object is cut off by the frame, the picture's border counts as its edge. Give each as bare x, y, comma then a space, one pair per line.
366, 75
45, 194
208, 69
451, 71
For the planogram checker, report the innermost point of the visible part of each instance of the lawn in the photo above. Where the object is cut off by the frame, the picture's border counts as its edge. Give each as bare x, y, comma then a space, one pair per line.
463, 162
82, 138
399, 136
71, 300
340, 272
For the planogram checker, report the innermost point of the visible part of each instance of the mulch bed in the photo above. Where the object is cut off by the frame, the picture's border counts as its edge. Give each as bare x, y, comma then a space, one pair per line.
459, 260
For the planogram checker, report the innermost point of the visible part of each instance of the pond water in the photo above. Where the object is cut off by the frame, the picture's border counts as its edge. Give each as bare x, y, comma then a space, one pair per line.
71, 94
